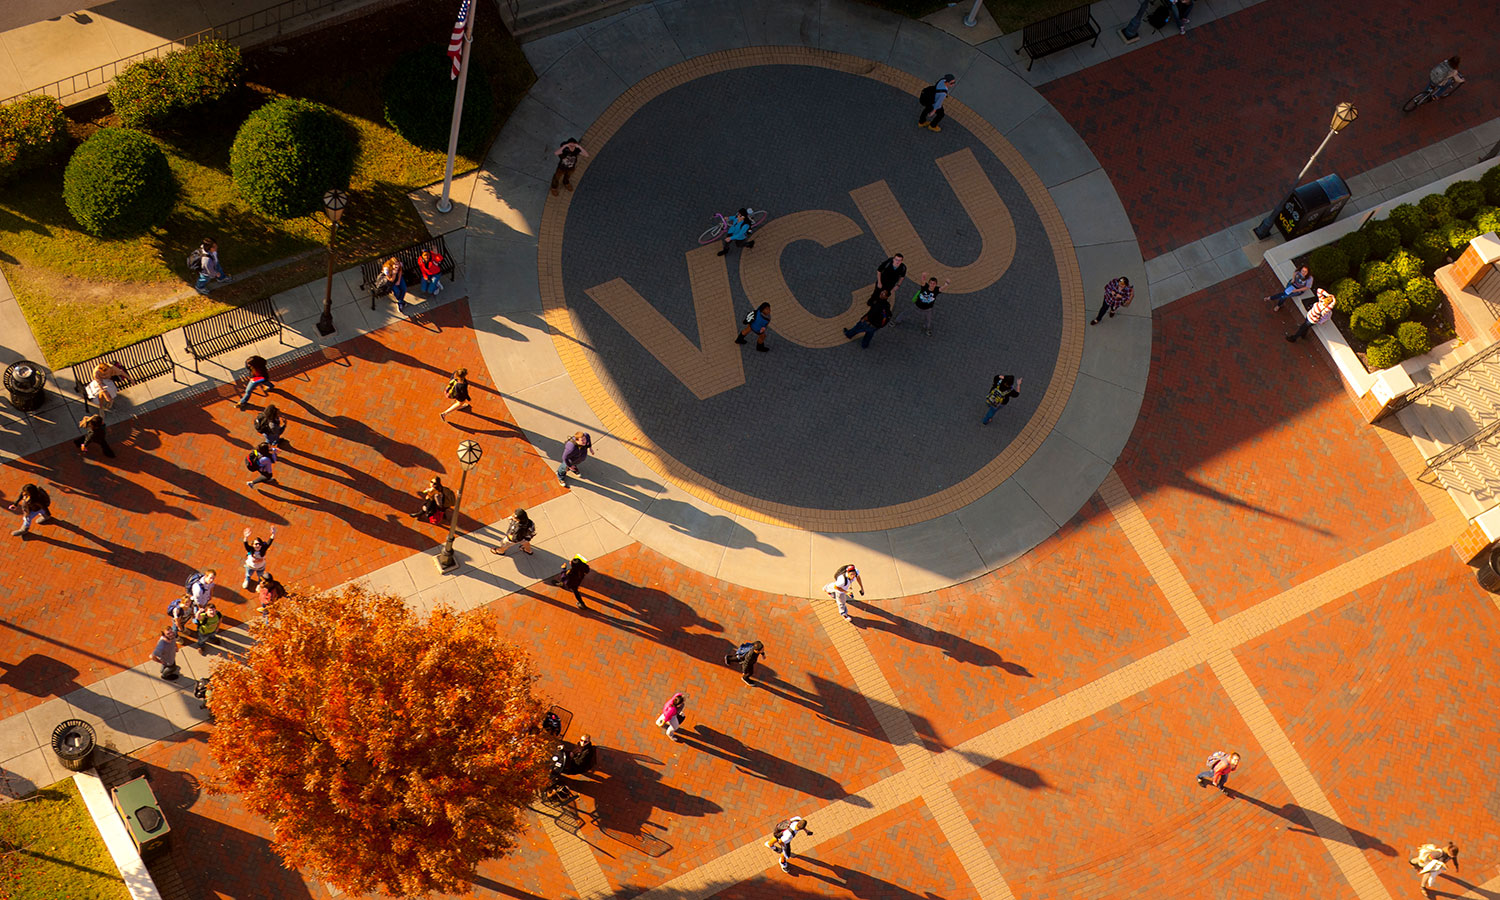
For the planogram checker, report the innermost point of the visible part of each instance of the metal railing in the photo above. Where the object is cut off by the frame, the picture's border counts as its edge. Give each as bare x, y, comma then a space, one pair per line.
245, 31
1479, 437
1443, 378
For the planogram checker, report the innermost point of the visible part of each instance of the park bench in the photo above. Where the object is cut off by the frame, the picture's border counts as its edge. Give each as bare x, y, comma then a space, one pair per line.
142, 361
369, 271
1059, 32
232, 328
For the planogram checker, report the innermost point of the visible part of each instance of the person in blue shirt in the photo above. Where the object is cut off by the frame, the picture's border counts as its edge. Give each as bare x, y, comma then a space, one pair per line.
757, 321
739, 232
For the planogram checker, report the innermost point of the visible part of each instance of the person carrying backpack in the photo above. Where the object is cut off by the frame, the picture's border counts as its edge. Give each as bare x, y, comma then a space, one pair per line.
756, 320
34, 506
261, 460
745, 656
270, 425
200, 588
925, 300
781, 838
457, 391
519, 530
575, 450
1220, 764
204, 263
932, 98
571, 576
259, 375
1004, 389
874, 320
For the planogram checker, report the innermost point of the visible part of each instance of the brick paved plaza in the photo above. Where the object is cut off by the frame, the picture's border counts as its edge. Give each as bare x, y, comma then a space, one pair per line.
1185, 539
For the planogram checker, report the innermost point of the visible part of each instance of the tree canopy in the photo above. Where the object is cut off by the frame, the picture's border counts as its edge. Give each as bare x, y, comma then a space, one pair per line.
387, 751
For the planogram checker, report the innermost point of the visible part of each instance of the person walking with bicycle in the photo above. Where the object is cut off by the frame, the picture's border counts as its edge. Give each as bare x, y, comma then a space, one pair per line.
738, 232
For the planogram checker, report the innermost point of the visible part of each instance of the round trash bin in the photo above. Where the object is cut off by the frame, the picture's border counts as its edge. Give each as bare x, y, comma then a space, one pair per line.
73, 742
1489, 570
25, 381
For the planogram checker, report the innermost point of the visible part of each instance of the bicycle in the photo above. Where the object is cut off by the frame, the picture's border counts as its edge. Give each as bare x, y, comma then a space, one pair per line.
757, 216
1431, 92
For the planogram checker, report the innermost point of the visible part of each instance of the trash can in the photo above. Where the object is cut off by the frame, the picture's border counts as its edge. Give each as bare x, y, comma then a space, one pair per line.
73, 742
138, 809
24, 380
1312, 206
1489, 570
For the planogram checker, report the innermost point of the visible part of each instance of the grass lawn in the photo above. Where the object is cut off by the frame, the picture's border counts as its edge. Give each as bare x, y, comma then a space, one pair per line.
1010, 15
84, 296
50, 849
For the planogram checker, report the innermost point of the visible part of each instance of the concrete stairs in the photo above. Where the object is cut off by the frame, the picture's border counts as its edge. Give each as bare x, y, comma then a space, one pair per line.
532, 19
1460, 407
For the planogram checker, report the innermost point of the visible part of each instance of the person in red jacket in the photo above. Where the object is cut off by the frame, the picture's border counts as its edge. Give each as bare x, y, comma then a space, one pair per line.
431, 266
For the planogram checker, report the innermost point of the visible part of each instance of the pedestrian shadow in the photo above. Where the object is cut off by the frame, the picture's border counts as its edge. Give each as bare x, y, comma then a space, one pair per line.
1306, 821
954, 647
652, 614
766, 766
857, 883
843, 706
147, 563
1020, 776
1469, 890
502, 429
345, 428
626, 791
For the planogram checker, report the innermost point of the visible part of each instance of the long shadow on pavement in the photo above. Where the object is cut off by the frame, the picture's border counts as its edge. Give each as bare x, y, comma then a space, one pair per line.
1307, 822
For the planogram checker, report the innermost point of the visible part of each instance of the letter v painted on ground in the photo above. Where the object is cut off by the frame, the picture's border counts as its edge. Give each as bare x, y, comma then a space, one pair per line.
711, 367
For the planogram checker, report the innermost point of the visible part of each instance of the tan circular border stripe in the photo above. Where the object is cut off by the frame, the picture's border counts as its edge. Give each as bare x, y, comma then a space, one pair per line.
603, 396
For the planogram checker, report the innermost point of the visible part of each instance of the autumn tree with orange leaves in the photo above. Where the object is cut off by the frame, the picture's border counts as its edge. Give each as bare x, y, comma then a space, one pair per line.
388, 752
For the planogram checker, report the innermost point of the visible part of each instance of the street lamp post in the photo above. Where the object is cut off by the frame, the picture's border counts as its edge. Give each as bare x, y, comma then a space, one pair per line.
1343, 114
469, 453
334, 202
972, 18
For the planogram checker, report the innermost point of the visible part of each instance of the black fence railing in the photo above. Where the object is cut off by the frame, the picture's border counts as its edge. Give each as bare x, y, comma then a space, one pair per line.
1443, 378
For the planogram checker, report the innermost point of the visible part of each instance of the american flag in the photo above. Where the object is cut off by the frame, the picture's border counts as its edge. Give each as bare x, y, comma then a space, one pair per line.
456, 42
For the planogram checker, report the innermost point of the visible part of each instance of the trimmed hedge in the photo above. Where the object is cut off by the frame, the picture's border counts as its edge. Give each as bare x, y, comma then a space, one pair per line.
419, 102
1378, 276
1457, 234
1368, 321
118, 183
1431, 248
1384, 352
1414, 338
288, 153
1423, 294
1328, 264
1439, 209
152, 91
1466, 197
1490, 181
1350, 293
1384, 239
142, 94
1410, 222
1394, 304
1406, 264
1487, 220
33, 132
1356, 247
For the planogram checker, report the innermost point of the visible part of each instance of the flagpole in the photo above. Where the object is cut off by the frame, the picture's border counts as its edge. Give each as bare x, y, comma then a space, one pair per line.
444, 203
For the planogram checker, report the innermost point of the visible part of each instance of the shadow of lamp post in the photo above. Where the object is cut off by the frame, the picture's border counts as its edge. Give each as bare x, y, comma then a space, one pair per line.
469, 453
334, 202
1343, 114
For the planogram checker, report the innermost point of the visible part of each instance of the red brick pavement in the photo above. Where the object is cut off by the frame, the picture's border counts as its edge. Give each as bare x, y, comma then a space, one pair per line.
1202, 133
1389, 695
1249, 460
366, 436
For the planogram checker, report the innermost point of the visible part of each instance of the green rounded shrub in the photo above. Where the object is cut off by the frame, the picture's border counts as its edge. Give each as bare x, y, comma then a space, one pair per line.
1368, 321
1393, 303
1384, 238
1327, 264
1350, 294
1490, 181
1406, 264
142, 95
418, 102
1410, 222
1456, 235
118, 183
33, 131
1431, 248
1466, 197
1487, 220
1424, 295
1439, 209
1384, 352
1378, 276
288, 153
1414, 338
1356, 247
206, 72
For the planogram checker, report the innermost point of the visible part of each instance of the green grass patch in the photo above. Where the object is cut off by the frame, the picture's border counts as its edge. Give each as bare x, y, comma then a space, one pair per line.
49, 848
1010, 15
84, 296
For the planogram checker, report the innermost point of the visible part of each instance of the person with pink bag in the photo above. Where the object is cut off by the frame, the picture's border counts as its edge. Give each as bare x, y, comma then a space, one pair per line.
671, 715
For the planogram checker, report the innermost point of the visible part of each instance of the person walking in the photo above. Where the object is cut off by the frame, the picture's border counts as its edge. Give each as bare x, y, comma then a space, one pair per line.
262, 461
255, 556
1315, 314
519, 530
34, 506
888, 274
925, 300
93, 433
745, 656
841, 588
567, 160
932, 98
738, 232
165, 653
781, 839
1300, 283
872, 321
1428, 852
1220, 764
204, 262
270, 425
104, 387
1117, 295
672, 715
1004, 389
430, 267
1430, 871
575, 449
570, 576
756, 320
457, 391
393, 276
259, 375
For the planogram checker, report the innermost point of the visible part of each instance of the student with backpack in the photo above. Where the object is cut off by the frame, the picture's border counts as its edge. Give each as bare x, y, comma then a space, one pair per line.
457, 391
932, 98
841, 588
756, 320
270, 425
204, 263
745, 656
925, 300
781, 838
259, 375
200, 588
571, 576
575, 450
874, 320
1220, 764
262, 461
519, 530
1004, 389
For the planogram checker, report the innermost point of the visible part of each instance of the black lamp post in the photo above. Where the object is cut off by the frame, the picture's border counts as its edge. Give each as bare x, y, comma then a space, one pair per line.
334, 202
1343, 114
469, 453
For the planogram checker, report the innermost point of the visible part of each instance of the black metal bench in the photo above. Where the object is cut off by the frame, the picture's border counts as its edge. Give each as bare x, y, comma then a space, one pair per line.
142, 361
232, 328
369, 271
1059, 32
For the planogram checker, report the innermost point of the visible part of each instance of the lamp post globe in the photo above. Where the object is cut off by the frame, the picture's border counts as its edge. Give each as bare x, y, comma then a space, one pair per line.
469, 454
334, 202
